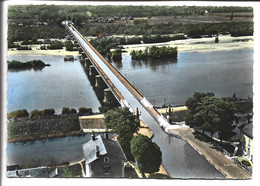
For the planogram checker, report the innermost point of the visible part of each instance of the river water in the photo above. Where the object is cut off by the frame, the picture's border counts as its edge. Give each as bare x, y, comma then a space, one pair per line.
172, 82
63, 84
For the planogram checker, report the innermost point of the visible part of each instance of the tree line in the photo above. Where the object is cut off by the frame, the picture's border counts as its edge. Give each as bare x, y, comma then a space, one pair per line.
78, 12
34, 114
155, 53
22, 33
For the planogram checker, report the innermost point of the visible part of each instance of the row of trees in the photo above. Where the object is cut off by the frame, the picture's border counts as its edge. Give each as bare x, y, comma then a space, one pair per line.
190, 29
48, 112
146, 152
160, 39
78, 13
23, 33
69, 46
155, 53
211, 114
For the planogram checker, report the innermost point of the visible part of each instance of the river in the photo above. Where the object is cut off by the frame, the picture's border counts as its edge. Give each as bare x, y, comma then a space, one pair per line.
172, 82
63, 84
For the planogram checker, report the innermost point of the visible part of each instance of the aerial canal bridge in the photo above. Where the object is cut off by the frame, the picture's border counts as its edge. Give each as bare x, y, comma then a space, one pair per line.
108, 81
178, 158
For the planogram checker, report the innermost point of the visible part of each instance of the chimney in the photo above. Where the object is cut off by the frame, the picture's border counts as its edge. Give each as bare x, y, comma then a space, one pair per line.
137, 113
106, 134
97, 151
93, 137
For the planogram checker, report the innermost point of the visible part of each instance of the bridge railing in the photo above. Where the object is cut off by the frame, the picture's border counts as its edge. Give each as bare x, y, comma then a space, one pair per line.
130, 87
149, 107
109, 83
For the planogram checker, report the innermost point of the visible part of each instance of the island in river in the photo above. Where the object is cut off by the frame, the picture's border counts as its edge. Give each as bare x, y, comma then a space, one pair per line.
14, 64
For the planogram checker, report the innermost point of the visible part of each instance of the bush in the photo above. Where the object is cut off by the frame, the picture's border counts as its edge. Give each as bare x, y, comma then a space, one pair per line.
18, 113
85, 111
116, 55
49, 112
43, 47
69, 45
36, 114
41, 113
19, 47
55, 45
246, 162
66, 110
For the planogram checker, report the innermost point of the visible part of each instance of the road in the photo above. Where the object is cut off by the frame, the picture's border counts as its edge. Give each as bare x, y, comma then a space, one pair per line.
179, 158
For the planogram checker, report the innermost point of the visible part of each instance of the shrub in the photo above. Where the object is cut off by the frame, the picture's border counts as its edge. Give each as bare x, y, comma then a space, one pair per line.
68, 45
66, 110
116, 55
36, 114
49, 112
18, 113
85, 111
56, 45
41, 113
246, 162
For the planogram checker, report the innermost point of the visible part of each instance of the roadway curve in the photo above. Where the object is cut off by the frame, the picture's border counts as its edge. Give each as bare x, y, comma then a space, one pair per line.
178, 157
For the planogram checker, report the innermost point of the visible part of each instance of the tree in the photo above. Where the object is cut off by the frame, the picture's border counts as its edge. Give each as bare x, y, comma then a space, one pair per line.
18, 113
147, 154
211, 114
123, 123
192, 104
68, 45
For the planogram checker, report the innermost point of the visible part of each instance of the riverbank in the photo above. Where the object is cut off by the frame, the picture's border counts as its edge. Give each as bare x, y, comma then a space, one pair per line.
36, 51
226, 42
25, 129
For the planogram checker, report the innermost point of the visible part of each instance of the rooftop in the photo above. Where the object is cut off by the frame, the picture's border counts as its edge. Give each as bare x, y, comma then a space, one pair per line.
247, 129
104, 146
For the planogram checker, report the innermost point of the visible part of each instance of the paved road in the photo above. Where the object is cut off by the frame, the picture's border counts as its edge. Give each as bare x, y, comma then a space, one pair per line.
179, 158
216, 157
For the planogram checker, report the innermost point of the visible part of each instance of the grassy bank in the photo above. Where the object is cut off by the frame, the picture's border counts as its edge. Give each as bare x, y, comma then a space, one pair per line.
23, 128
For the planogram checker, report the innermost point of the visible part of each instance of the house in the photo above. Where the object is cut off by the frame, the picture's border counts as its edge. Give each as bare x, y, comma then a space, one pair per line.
104, 157
246, 140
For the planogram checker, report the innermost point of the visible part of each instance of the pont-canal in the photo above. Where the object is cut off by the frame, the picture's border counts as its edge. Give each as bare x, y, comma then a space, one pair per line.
179, 156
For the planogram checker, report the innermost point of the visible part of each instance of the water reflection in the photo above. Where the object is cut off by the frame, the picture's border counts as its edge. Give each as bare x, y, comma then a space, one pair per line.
26, 69
169, 138
118, 64
152, 63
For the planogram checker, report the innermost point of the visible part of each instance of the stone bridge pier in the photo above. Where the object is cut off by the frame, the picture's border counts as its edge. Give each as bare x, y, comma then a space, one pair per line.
100, 86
